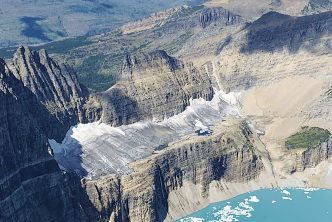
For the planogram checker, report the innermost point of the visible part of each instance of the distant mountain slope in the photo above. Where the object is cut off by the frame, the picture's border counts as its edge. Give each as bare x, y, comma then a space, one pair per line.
40, 21
256, 8
317, 6
98, 58
180, 31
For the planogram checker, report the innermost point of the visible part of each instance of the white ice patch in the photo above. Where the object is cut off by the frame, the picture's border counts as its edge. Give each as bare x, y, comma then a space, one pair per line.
285, 192
192, 219
230, 214
308, 189
286, 198
253, 199
274, 201
95, 149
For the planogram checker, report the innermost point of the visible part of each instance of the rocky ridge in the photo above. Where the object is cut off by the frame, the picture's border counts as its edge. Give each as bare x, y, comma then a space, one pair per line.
153, 86
32, 187
55, 86
155, 20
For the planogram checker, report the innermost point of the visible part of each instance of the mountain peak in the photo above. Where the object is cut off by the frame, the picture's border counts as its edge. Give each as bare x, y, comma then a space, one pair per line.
271, 18
136, 64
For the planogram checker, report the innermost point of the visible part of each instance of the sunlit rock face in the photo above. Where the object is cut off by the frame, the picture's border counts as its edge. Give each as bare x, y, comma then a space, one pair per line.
151, 87
96, 149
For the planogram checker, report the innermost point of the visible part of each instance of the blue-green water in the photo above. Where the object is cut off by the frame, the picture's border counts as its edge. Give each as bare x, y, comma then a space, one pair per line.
270, 205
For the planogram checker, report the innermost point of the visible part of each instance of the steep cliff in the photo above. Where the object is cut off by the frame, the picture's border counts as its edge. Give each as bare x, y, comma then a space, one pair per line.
32, 187
273, 31
227, 155
311, 157
210, 16
55, 86
153, 86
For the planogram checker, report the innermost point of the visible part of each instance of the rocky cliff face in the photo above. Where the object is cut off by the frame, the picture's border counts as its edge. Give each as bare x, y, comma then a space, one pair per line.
210, 16
55, 86
311, 157
153, 86
273, 31
32, 187
143, 195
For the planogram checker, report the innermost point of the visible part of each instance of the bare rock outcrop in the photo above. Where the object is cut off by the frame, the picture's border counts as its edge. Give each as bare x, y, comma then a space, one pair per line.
311, 157
210, 16
273, 31
55, 86
153, 86
32, 187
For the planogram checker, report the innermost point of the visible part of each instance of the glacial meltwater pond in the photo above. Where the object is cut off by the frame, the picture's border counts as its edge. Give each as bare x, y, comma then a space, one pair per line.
270, 205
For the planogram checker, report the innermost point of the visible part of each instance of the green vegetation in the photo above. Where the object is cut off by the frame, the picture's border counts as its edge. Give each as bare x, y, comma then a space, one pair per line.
307, 137
65, 45
58, 47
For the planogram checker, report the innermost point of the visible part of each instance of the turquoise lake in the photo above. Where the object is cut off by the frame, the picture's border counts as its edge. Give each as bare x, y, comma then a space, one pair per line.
270, 205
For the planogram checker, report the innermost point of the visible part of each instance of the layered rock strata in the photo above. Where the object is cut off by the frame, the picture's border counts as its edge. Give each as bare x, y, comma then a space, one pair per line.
210, 16
55, 85
151, 87
227, 155
311, 157
32, 187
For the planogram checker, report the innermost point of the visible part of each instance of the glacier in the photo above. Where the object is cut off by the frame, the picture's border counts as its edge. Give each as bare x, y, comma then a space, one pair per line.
96, 149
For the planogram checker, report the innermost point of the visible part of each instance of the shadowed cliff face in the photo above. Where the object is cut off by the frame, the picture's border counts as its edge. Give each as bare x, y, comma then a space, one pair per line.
275, 31
55, 86
20, 123
32, 187
210, 16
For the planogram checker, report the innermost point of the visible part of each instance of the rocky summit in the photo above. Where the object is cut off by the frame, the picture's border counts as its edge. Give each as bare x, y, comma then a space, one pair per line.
168, 114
